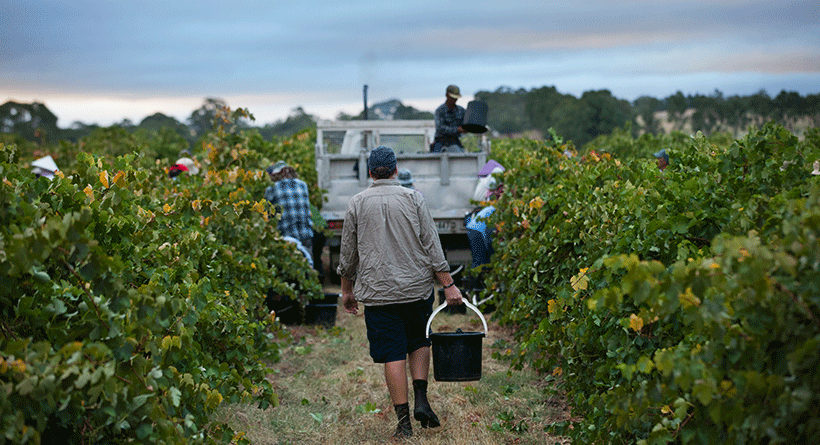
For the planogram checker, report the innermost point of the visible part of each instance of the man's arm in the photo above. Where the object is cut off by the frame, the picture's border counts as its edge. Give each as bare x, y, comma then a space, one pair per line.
348, 299
451, 292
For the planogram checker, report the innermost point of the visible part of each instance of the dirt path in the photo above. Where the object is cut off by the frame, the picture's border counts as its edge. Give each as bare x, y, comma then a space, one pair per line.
332, 393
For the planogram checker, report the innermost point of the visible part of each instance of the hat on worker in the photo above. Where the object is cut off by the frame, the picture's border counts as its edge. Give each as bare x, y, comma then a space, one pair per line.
662, 155
489, 168
278, 167
405, 178
453, 92
190, 164
381, 156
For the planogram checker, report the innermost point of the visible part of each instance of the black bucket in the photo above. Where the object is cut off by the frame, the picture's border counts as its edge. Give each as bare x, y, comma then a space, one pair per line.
475, 117
322, 312
456, 355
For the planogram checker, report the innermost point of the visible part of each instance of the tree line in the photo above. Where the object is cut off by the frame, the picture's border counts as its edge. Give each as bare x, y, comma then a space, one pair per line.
598, 113
512, 112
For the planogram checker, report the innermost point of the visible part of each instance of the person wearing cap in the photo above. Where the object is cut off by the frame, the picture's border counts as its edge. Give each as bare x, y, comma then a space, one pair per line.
291, 198
44, 167
176, 170
189, 164
663, 159
405, 178
449, 118
390, 258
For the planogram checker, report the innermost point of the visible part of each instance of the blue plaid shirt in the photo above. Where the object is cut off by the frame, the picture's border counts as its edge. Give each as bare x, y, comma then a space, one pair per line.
292, 199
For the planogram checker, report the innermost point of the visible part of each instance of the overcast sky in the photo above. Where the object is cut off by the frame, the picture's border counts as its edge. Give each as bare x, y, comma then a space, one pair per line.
101, 61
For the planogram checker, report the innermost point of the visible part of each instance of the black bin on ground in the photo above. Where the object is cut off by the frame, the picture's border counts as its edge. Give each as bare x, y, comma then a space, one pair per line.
287, 309
456, 355
322, 312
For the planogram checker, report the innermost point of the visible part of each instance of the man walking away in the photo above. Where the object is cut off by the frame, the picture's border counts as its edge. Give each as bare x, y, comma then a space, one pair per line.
390, 258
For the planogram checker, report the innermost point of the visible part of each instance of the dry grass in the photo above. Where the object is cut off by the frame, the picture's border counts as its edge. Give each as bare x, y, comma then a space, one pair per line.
332, 393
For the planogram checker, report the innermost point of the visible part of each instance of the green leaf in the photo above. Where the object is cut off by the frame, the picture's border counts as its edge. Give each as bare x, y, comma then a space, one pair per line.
175, 394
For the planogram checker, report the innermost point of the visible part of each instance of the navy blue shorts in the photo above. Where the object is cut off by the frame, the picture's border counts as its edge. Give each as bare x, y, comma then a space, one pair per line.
395, 330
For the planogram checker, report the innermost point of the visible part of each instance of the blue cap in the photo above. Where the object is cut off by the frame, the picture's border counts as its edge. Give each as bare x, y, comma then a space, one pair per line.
276, 168
662, 154
381, 156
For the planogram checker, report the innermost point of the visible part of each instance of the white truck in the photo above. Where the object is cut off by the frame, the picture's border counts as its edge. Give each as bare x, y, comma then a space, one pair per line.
447, 180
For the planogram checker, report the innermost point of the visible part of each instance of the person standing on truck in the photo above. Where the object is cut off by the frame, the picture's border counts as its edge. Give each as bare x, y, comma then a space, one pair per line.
390, 257
449, 118
290, 197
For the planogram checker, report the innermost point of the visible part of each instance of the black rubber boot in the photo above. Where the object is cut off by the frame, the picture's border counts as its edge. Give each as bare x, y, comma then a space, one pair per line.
422, 411
404, 428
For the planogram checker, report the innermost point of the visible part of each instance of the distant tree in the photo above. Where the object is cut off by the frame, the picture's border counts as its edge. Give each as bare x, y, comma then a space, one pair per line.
392, 109
163, 143
813, 109
127, 124
111, 142
540, 105
709, 111
572, 118
293, 124
204, 118
409, 113
605, 113
34, 121
77, 131
646, 107
507, 109
676, 106
762, 105
158, 121
786, 105
736, 114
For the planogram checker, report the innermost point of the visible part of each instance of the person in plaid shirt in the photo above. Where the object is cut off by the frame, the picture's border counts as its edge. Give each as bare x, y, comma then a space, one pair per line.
291, 198
449, 118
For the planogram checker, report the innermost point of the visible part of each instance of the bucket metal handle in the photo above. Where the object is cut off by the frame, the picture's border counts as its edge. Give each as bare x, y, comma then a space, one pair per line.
443, 305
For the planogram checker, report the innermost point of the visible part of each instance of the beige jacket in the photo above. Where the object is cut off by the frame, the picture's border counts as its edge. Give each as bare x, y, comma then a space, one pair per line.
390, 247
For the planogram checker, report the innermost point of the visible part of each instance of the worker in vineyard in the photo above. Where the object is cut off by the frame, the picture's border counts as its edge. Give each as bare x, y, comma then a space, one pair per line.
291, 198
449, 118
390, 258
663, 159
406, 178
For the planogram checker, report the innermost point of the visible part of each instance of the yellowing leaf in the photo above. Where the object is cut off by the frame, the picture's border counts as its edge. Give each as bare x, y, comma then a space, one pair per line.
536, 203
167, 208
89, 192
635, 322
214, 399
580, 281
557, 371
259, 206
688, 298
119, 178
104, 178
196, 205
552, 306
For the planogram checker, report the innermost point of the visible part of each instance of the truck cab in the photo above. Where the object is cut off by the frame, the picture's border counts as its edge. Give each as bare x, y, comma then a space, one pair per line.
447, 179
